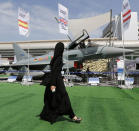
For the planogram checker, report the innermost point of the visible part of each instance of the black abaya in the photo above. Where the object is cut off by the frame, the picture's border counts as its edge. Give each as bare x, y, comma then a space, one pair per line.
56, 103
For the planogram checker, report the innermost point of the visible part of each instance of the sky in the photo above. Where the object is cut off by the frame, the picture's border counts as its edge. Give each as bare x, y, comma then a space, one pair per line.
43, 26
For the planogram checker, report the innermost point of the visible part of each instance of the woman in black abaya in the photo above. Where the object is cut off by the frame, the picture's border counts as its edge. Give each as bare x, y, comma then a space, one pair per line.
56, 99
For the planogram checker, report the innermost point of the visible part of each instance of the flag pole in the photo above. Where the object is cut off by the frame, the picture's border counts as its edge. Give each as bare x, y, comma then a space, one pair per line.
63, 25
66, 48
110, 27
123, 49
125, 20
28, 74
23, 24
28, 66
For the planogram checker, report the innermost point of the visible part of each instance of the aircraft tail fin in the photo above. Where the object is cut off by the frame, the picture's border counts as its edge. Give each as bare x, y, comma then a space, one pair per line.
20, 53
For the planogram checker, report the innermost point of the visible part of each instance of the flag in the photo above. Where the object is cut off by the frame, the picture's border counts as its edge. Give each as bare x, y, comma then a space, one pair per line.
63, 19
126, 14
23, 22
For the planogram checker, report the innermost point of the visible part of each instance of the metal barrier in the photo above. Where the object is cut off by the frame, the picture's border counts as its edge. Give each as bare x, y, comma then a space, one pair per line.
105, 78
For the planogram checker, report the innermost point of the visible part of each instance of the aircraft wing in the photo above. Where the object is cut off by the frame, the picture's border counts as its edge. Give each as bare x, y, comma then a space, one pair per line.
38, 65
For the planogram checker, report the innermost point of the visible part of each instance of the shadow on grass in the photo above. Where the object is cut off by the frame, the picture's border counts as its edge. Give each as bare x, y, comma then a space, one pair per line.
62, 118
59, 119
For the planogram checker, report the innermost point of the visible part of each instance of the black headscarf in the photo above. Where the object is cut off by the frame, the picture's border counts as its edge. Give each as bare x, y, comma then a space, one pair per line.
58, 52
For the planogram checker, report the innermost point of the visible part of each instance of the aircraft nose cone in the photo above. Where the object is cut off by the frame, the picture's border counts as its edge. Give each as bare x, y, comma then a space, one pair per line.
126, 51
121, 51
113, 51
130, 51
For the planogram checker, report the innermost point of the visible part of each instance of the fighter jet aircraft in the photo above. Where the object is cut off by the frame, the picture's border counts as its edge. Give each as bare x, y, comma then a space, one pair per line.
77, 53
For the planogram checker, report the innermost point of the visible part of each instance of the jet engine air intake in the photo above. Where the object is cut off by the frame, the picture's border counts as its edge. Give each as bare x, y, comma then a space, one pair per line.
78, 65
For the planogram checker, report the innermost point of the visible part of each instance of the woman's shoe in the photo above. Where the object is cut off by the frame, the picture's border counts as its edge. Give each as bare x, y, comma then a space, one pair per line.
76, 119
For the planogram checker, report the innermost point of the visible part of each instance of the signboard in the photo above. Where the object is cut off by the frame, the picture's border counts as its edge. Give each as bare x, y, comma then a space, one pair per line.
93, 80
12, 78
120, 70
130, 66
27, 78
129, 81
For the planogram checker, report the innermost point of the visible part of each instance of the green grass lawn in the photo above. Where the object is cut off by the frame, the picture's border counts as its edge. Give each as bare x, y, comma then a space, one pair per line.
3, 75
101, 108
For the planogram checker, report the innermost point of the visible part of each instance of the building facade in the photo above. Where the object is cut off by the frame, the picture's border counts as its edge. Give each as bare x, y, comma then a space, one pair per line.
115, 28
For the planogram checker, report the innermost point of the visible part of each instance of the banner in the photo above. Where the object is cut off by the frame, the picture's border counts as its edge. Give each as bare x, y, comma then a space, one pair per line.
126, 14
63, 19
120, 70
23, 22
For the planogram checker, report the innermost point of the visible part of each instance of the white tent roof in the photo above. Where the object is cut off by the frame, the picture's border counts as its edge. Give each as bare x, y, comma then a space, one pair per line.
89, 24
